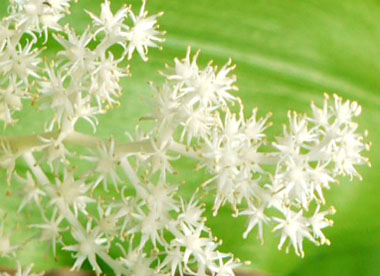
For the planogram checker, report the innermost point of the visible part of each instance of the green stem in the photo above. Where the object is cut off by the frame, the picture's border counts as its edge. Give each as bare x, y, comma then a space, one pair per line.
21, 144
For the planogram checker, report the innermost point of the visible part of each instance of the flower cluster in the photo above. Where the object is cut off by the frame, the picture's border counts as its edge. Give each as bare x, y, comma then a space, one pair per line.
82, 81
147, 227
312, 152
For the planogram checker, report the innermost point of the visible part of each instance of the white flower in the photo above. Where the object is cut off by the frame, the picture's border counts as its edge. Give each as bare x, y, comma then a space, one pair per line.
75, 50
20, 61
193, 243
5, 35
185, 70
55, 94
191, 212
38, 15
208, 87
126, 208
30, 189
150, 225
50, 21
254, 128
159, 197
298, 129
294, 227
7, 250
287, 145
321, 116
223, 83
143, 34
106, 164
11, 100
30, 12
88, 244
231, 128
202, 90
110, 24
225, 188
72, 193
320, 179
198, 123
318, 222
345, 111
84, 110
166, 106
138, 263
107, 223
105, 80
173, 260
257, 217
159, 158
54, 151
51, 230
348, 152
295, 181
224, 268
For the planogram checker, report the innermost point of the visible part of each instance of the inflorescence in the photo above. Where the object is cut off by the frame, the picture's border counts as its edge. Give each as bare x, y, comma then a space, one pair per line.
152, 228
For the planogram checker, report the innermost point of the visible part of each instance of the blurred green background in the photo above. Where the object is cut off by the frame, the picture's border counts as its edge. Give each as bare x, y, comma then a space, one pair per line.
288, 53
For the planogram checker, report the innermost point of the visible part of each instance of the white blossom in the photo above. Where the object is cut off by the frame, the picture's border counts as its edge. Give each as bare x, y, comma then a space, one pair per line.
257, 217
38, 15
105, 86
75, 49
295, 228
106, 163
31, 191
151, 226
191, 212
20, 62
6, 247
51, 230
138, 263
11, 100
72, 193
110, 24
107, 223
173, 260
224, 268
318, 221
86, 248
143, 34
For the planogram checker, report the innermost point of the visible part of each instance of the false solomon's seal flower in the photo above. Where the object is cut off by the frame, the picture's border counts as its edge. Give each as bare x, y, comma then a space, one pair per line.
141, 224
